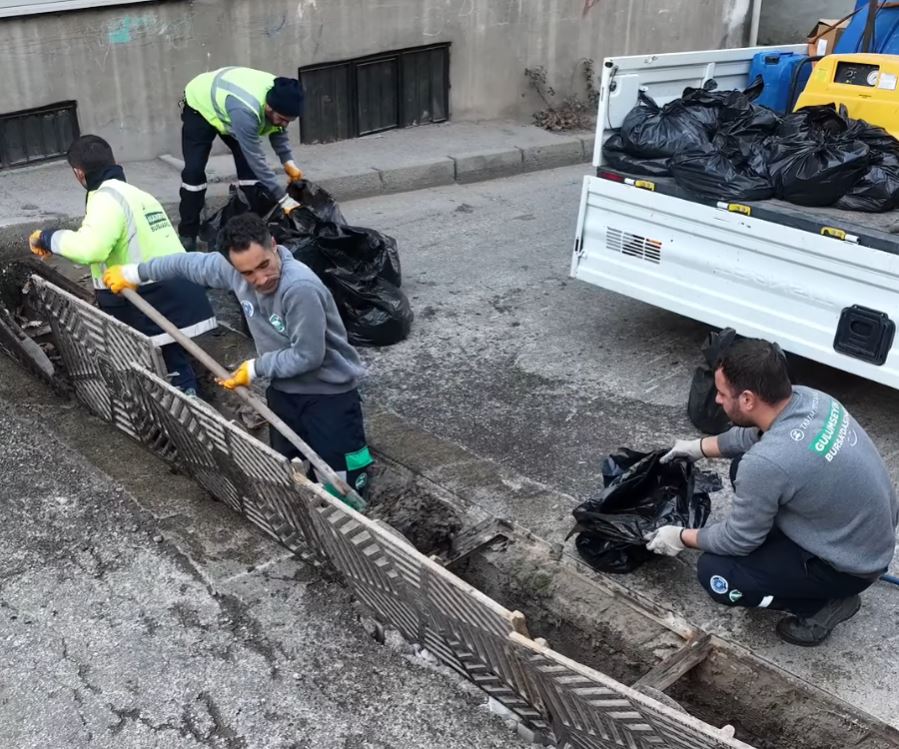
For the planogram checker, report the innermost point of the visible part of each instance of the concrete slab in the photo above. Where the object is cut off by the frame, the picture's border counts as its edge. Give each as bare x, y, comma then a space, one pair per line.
483, 165
413, 158
428, 173
553, 155
396, 161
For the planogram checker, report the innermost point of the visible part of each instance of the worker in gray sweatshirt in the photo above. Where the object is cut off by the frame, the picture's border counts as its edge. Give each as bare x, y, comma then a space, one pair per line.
813, 522
241, 106
301, 342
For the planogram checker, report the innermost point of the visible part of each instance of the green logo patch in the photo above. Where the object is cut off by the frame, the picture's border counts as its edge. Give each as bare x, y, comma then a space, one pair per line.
277, 323
735, 595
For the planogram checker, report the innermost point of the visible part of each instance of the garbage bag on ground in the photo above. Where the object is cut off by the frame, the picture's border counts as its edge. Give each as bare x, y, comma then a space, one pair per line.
704, 413
360, 266
651, 131
711, 174
617, 157
640, 495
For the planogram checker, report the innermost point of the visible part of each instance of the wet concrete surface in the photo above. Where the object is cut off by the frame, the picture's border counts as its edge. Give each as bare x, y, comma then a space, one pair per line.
137, 612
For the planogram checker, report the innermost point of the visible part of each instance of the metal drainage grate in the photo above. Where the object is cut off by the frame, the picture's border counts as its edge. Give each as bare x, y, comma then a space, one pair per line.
35, 135
633, 245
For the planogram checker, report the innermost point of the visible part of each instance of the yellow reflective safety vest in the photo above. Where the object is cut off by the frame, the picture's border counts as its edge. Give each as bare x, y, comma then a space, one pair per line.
122, 224
208, 91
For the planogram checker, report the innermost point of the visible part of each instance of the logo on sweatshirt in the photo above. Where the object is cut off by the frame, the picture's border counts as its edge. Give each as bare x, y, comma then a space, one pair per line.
277, 323
248, 309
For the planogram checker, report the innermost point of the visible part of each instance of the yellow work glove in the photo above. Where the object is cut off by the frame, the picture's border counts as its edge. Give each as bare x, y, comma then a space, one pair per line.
37, 246
117, 278
293, 172
240, 377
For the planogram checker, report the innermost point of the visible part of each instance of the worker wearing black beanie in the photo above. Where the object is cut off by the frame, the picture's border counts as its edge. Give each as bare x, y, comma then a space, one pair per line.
240, 106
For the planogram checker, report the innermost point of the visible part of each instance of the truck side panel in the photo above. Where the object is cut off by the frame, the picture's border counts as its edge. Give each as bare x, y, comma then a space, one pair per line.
728, 269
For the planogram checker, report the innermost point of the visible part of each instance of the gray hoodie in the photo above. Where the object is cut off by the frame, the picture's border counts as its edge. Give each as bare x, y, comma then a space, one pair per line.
300, 339
817, 476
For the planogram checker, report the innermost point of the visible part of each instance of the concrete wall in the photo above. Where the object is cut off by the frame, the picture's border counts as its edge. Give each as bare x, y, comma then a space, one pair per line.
126, 66
785, 21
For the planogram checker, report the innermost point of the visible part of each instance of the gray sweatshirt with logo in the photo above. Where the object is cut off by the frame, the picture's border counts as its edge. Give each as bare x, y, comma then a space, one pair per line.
300, 339
817, 476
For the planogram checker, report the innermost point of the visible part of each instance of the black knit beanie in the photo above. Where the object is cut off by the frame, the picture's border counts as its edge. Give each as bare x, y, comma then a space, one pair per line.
286, 97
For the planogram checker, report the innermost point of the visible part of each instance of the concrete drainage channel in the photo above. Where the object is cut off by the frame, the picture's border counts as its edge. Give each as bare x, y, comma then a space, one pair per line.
595, 621
577, 616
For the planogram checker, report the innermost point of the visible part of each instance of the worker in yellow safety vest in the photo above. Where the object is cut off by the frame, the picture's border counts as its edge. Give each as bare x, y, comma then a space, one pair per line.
240, 106
123, 224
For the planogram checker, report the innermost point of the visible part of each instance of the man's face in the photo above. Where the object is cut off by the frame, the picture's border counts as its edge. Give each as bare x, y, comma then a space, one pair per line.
739, 407
278, 120
260, 265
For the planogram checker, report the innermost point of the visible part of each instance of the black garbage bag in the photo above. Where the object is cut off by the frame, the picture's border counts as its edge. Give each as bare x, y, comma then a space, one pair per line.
878, 189
716, 109
640, 495
876, 138
704, 413
238, 203
821, 120
376, 312
652, 132
709, 173
818, 173
617, 157
316, 200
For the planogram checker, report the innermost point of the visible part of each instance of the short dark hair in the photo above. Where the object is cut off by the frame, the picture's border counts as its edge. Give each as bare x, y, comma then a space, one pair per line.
241, 231
90, 153
759, 367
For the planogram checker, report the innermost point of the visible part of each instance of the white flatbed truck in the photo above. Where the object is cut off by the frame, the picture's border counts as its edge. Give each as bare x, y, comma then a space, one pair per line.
823, 283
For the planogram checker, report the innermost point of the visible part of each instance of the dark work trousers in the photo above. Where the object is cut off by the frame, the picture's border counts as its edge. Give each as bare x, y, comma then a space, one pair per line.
181, 373
197, 137
778, 575
331, 425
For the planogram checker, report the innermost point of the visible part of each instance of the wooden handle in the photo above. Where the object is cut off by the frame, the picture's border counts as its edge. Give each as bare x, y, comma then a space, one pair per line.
350, 495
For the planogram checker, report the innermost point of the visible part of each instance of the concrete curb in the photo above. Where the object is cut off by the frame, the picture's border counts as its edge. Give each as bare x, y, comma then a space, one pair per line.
462, 167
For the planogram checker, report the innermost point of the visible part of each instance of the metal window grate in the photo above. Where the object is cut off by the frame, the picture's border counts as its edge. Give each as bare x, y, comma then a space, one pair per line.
633, 245
375, 93
35, 135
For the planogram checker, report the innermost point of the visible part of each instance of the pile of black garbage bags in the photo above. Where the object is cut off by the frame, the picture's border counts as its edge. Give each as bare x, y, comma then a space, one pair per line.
360, 267
719, 145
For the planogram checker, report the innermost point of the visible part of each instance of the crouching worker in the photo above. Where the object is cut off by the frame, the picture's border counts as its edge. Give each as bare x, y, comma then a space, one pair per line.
123, 224
301, 342
813, 522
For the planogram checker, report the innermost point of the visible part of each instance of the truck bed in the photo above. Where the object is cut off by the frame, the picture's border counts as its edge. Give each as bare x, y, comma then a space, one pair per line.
879, 231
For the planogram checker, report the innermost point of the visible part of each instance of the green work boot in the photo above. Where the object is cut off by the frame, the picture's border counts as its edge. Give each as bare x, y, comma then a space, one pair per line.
813, 630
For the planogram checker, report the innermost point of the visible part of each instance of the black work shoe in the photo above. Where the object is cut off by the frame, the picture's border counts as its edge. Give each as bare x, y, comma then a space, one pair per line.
813, 630
189, 243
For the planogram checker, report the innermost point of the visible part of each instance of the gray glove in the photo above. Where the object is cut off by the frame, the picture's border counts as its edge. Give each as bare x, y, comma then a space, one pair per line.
689, 449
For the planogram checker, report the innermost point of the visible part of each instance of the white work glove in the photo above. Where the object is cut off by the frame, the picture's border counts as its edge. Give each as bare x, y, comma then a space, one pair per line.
288, 204
689, 449
666, 541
